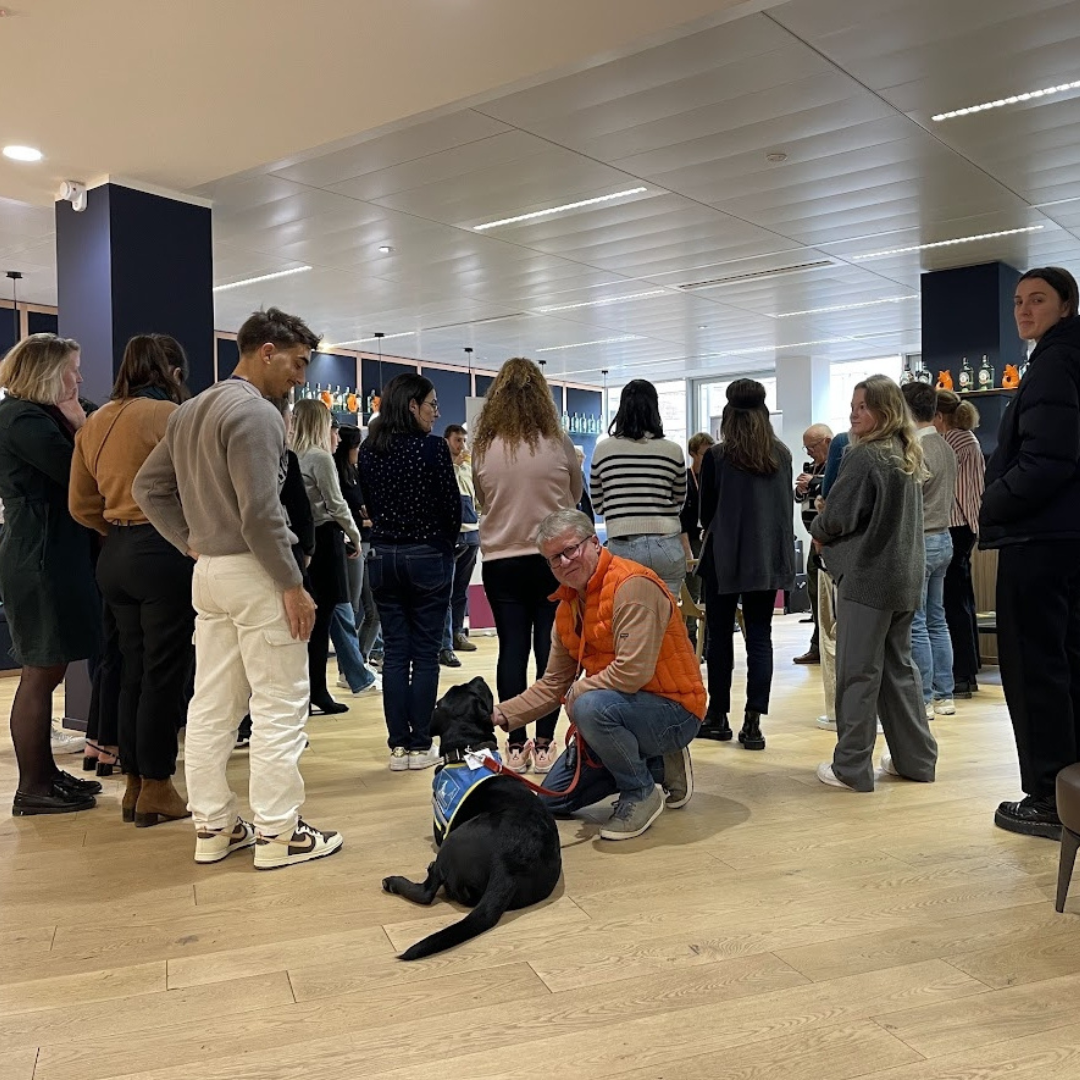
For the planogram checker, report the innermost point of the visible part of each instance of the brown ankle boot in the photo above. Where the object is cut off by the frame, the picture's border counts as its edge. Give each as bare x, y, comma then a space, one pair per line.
159, 801
131, 796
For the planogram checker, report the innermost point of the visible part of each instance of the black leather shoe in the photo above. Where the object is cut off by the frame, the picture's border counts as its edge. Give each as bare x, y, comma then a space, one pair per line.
77, 786
750, 736
1030, 817
59, 801
715, 727
964, 688
448, 659
329, 707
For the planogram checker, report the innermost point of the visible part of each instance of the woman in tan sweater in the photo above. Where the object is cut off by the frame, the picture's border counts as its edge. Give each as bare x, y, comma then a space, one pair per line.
145, 581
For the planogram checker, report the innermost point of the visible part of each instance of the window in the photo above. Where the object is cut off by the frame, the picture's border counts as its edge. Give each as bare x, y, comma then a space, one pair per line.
843, 378
712, 397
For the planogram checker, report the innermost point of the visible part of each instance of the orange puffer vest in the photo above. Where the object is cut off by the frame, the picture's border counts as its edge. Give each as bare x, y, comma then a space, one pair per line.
677, 675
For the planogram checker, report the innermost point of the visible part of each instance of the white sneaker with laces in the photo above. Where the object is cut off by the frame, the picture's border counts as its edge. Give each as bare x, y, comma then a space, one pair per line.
424, 759
371, 688
301, 845
826, 723
929, 710
66, 742
213, 845
887, 766
945, 706
826, 775
399, 759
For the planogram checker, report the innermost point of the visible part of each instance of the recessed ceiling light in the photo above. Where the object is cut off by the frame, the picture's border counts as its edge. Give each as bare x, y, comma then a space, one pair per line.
598, 341
703, 326
946, 243
386, 249
1013, 99
845, 307
776, 158
604, 302
22, 153
365, 340
262, 277
565, 208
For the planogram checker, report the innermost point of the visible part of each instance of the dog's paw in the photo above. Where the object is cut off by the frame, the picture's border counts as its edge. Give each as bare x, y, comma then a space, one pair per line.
389, 884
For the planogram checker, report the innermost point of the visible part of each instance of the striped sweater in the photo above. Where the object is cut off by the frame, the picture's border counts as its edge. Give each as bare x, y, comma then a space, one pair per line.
639, 486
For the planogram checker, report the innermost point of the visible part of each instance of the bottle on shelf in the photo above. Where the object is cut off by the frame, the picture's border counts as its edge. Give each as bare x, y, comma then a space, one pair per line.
923, 375
967, 376
907, 375
371, 408
986, 374
566, 420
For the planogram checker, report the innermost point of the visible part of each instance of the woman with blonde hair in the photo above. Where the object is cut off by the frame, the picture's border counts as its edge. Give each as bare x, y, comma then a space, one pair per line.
956, 420
313, 443
872, 530
524, 468
51, 603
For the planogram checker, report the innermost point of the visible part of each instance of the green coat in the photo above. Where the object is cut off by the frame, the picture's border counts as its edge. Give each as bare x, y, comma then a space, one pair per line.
47, 585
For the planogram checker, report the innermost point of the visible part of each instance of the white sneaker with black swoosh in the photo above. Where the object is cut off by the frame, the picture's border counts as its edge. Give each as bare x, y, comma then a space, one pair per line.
305, 844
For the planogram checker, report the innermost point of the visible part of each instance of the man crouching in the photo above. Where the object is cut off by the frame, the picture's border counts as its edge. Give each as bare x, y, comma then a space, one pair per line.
641, 699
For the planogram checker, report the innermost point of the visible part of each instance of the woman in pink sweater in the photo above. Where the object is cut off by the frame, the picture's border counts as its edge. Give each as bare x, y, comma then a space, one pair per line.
524, 468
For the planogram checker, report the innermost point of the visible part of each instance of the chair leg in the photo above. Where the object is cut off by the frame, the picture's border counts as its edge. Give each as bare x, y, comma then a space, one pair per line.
1070, 842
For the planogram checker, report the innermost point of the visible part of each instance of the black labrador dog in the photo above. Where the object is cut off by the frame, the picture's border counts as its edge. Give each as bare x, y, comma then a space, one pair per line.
501, 850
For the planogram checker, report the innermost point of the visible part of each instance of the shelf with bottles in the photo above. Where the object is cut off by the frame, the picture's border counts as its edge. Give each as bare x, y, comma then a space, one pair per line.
582, 423
970, 380
336, 398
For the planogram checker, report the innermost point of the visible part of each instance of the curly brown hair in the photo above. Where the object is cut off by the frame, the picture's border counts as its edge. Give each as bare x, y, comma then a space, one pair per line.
518, 408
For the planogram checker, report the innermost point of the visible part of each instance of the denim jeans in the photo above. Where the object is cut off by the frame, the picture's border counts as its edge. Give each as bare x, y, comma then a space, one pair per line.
629, 734
464, 562
664, 555
931, 646
411, 584
347, 647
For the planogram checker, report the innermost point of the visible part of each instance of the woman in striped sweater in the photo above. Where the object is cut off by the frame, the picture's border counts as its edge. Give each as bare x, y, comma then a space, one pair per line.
638, 485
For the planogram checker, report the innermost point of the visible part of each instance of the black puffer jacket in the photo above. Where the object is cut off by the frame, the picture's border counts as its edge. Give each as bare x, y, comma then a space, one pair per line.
1033, 479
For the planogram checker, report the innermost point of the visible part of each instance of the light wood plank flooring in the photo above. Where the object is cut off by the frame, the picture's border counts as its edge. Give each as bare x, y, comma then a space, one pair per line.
775, 928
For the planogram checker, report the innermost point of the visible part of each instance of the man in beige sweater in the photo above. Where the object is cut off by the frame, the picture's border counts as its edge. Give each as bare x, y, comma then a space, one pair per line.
211, 487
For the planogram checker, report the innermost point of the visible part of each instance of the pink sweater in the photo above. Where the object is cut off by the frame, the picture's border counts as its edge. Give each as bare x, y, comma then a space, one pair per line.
514, 496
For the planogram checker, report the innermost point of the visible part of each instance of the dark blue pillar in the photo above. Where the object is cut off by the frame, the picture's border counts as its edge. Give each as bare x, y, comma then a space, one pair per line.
134, 263
969, 312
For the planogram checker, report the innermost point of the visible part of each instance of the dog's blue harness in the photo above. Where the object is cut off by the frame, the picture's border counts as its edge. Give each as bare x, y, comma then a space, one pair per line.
454, 782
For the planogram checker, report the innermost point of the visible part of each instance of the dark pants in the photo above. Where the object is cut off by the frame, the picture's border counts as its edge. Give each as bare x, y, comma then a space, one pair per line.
329, 587
147, 584
411, 583
517, 590
960, 607
367, 615
813, 565
1038, 621
104, 669
757, 618
464, 564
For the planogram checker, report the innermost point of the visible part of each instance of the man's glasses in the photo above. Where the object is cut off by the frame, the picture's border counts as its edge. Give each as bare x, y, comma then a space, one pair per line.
567, 554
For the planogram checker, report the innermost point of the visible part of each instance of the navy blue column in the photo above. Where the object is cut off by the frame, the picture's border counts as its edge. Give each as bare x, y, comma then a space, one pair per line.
131, 263
968, 312
134, 263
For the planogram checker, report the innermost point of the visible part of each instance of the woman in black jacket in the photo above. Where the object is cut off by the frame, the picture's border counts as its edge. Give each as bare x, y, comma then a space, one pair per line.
51, 603
1031, 513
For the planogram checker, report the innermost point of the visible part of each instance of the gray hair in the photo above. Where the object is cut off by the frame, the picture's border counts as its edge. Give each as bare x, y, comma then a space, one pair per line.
564, 521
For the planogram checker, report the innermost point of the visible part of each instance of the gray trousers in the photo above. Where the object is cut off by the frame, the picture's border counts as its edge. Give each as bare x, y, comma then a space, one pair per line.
876, 677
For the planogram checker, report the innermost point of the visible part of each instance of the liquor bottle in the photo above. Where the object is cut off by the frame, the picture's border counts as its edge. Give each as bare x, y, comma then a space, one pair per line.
371, 403
923, 375
565, 420
967, 376
907, 375
986, 374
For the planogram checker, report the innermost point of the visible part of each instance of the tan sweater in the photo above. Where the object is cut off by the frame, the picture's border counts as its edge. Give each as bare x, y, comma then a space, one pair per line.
110, 448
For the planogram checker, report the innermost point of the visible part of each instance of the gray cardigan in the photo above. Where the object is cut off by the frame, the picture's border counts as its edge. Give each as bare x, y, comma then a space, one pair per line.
872, 526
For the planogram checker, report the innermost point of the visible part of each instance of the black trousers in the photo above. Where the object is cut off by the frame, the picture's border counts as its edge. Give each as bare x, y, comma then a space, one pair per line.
464, 564
720, 650
101, 721
813, 566
1038, 620
147, 584
517, 590
960, 607
329, 577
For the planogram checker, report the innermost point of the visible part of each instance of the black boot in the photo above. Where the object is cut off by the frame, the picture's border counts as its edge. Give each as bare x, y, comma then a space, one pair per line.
1030, 817
715, 726
750, 736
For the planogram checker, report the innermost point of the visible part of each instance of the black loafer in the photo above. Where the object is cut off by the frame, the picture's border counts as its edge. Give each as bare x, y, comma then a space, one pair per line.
59, 801
77, 786
716, 728
1030, 817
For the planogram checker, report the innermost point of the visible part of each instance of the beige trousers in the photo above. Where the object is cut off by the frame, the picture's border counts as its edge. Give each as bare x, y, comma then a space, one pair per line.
827, 639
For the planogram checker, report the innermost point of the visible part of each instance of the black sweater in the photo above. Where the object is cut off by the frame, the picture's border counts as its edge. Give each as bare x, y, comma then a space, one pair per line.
1033, 478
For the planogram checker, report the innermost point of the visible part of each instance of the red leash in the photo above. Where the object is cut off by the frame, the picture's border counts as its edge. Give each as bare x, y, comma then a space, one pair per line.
498, 767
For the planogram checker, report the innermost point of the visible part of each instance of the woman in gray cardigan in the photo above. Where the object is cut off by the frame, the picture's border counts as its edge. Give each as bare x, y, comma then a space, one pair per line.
870, 538
748, 553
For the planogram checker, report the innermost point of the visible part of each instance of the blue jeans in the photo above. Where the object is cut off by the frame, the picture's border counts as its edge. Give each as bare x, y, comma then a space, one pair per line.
411, 584
347, 647
629, 734
664, 555
931, 646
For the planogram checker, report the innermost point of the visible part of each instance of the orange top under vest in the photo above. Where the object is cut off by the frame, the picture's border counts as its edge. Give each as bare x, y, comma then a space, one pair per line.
678, 673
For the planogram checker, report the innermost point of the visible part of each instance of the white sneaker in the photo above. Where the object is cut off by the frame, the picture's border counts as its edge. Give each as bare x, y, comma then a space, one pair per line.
302, 845
945, 707
929, 710
399, 759
826, 723
826, 775
66, 742
213, 845
371, 688
424, 759
887, 765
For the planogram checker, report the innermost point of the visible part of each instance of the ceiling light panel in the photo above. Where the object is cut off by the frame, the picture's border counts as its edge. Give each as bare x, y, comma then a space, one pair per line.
604, 301
947, 243
845, 307
262, 277
1013, 99
22, 153
598, 341
565, 208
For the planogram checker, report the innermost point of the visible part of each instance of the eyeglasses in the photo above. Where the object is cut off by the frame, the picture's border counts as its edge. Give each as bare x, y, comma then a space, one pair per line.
434, 403
567, 554
814, 445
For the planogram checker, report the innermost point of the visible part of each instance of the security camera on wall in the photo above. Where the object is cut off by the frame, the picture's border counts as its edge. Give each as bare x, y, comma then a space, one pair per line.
75, 193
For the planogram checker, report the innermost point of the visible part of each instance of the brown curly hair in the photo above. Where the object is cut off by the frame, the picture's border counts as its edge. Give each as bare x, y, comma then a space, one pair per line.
518, 408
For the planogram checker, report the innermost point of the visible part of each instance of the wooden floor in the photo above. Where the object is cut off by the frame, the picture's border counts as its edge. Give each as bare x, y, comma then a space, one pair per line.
774, 928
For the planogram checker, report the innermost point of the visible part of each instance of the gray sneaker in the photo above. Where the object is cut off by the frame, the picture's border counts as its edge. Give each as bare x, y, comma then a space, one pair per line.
678, 778
632, 817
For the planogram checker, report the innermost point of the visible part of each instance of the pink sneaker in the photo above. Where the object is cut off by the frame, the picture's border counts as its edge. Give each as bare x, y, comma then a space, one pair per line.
544, 757
517, 757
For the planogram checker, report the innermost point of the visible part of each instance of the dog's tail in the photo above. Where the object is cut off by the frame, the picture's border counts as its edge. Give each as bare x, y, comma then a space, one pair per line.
496, 900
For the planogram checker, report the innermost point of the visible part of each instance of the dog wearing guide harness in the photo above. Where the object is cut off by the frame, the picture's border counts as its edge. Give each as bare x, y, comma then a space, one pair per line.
499, 845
